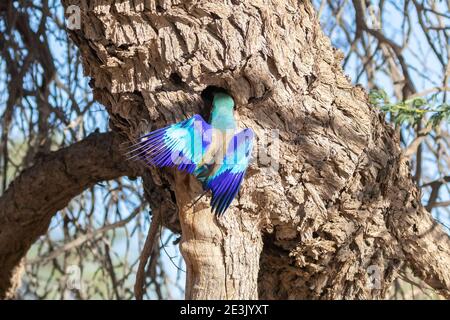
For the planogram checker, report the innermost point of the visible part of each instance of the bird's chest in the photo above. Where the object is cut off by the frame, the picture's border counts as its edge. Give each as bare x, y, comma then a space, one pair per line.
220, 141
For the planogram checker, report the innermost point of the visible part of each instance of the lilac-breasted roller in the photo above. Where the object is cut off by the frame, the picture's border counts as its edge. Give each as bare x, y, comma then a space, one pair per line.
216, 152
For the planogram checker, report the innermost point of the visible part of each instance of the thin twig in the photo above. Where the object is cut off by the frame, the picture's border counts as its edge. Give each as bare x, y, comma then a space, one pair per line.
145, 254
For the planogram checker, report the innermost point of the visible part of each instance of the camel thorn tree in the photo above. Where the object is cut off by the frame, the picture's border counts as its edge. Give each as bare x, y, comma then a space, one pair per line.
335, 218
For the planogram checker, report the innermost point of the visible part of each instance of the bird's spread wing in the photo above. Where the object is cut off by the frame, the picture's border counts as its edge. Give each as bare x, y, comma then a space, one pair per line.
225, 180
180, 145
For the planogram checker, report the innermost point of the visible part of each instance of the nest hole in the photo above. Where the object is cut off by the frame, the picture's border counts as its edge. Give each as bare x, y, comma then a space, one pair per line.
207, 97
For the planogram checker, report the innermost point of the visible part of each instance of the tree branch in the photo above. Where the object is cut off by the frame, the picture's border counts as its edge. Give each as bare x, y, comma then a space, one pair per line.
425, 244
34, 197
145, 254
435, 187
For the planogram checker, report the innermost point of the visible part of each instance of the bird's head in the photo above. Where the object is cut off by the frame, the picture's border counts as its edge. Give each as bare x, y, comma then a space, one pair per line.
222, 116
223, 101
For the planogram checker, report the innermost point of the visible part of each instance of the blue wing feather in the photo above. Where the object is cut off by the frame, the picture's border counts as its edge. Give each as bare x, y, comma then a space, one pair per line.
226, 180
180, 145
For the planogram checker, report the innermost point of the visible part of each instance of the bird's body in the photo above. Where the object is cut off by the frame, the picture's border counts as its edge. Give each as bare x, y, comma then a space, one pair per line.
222, 115
216, 153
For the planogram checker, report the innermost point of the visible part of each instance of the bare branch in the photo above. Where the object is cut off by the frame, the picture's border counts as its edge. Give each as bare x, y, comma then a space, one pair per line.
32, 199
145, 254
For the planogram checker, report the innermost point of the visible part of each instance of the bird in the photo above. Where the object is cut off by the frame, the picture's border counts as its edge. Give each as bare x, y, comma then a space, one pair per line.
215, 152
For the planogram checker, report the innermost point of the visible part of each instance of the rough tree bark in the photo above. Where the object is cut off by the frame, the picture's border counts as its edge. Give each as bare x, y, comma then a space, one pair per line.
339, 211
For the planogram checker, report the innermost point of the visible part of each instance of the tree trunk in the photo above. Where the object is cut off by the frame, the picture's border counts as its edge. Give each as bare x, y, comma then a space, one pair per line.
221, 255
337, 210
